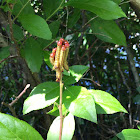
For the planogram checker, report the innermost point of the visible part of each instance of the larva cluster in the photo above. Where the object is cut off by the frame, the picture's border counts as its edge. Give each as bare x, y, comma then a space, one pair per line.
58, 57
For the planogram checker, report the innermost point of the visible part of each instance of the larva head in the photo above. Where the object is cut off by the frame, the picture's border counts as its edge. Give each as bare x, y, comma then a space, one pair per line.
67, 44
63, 48
61, 39
59, 43
54, 50
52, 55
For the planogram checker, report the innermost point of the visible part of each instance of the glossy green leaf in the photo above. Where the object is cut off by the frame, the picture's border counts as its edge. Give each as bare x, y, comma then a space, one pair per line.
36, 25
33, 54
80, 103
41, 96
68, 128
106, 9
54, 27
22, 7
73, 18
106, 103
14, 129
129, 134
4, 52
108, 31
76, 72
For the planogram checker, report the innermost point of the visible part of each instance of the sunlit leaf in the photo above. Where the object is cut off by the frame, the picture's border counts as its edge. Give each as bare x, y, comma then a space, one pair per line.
68, 128
55, 110
41, 96
106, 103
129, 134
14, 129
76, 72
105, 9
80, 103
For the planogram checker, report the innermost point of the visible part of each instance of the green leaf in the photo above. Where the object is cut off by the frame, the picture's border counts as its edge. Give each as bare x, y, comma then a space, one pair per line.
36, 25
108, 31
117, 1
55, 110
4, 52
106, 103
14, 129
18, 33
80, 103
129, 134
50, 6
76, 72
68, 128
114, 138
33, 54
72, 20
54, 27
41, 96
22, 7
106, 9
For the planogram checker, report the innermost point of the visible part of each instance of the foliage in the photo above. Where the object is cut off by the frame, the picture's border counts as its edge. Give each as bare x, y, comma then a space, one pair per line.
99, 84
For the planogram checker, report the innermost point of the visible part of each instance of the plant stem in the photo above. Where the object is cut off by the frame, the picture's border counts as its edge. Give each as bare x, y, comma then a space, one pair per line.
60, 108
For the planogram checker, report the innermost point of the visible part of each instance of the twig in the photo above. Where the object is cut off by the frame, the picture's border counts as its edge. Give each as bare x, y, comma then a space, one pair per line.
60, 108
80, 38
88, 49
89, 21
55, 10
130, 93
8, 58
20, 95
10, 108
14, 101
11, 30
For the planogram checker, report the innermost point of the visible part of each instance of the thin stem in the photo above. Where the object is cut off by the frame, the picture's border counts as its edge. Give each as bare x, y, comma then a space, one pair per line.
21, 10
55, 10
60, 108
